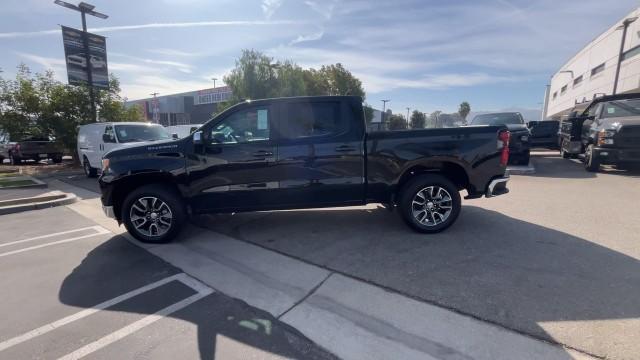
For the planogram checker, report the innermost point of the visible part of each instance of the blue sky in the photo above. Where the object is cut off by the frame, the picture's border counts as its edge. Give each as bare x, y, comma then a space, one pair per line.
429, 55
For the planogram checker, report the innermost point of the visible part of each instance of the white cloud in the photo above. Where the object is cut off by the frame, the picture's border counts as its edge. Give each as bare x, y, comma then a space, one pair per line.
310, 37
106, 29
58, 66
324, 8
142, 86
180, 66
269, 7
174, 52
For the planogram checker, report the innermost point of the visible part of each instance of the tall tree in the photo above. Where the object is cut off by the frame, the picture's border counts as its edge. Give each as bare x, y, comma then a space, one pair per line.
368, 113
433, 119
397, 122
464, 110
418, 119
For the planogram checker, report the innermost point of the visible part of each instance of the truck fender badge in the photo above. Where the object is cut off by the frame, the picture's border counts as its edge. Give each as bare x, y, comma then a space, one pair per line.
161, 147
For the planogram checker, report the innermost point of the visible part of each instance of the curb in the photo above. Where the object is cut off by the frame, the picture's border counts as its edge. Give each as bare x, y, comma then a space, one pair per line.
521, 170
37, 183
36, 203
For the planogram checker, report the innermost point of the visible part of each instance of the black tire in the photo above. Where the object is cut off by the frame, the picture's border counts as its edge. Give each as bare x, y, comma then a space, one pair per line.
165, 195
525, 159
591, 162
57, 159
15, 160
422, 183
1, 160
563, 153
89, 171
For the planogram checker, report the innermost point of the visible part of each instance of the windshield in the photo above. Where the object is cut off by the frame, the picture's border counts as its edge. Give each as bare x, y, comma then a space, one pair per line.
133, 133
497, 119
621, 108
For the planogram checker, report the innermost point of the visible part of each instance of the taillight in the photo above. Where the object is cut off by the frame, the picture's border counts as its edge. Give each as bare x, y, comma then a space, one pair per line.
503, 143
17, 147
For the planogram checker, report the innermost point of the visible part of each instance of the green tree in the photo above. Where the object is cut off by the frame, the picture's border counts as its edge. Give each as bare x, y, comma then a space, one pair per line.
433, 119
336, 80
254, 77
464, 110
368, 113
418, 119
397, 122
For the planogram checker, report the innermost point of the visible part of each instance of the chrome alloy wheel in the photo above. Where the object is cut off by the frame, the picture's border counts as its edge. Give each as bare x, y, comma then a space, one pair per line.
151, 216
432, 206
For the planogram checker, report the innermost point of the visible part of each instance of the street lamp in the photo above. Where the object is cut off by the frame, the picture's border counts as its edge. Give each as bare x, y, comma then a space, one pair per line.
384, 106
624, 27
84, 9
408, 116
214, 82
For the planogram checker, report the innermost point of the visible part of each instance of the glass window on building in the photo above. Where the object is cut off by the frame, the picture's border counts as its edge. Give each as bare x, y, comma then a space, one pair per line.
577, 80
563, 90
631, 53
555, 95
597, 70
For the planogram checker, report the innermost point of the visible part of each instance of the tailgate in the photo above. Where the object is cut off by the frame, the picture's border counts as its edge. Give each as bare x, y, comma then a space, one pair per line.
38, 147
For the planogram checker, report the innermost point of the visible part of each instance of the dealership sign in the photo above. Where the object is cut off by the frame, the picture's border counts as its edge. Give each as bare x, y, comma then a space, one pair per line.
79, 64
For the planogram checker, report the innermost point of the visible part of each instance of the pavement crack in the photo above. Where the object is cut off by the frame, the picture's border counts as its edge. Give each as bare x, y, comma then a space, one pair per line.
313, 290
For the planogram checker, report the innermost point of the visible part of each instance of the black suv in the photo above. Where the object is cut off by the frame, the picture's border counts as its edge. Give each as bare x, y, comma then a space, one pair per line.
607, 132
519, 146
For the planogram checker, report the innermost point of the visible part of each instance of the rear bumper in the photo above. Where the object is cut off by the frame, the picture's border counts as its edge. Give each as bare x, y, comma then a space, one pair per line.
609, 156
497, 186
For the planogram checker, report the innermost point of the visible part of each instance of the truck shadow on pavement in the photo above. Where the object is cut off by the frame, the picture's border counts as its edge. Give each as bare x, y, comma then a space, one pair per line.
551, 165
224, 325
524, 276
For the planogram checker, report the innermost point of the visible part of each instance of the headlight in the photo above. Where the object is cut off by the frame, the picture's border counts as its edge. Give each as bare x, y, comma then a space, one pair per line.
105, 165
605, 137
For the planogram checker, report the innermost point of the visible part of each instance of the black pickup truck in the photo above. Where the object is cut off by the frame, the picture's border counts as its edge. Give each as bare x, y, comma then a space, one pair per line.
304, 152
607, 132
519, 145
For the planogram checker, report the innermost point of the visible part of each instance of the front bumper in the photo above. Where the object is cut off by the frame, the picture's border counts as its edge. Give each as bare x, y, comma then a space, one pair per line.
108, 211
612, 156
497, 186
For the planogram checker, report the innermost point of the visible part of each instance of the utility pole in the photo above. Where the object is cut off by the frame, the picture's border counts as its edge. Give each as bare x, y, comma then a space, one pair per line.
384, 114
214, 82
408, 117
84, 9
624, 27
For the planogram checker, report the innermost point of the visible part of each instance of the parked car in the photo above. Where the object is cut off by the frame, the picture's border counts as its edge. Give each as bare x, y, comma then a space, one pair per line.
607, 132
544, 133
519, 146
303, 152
97, 139
30, 147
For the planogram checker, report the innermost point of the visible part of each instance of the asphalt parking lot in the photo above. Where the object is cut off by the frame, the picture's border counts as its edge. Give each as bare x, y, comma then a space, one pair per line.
73, 289
557, 258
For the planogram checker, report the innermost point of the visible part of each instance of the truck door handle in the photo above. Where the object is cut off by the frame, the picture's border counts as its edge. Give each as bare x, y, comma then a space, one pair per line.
262, 153
345, 148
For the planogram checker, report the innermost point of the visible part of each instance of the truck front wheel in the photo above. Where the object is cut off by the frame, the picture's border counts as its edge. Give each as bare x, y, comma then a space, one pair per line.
591, 160
430, 203
153, 214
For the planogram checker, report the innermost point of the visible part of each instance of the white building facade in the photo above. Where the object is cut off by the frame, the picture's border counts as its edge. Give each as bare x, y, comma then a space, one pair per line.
592, 71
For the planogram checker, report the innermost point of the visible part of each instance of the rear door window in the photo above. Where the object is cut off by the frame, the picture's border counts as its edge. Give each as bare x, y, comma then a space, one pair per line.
307, 120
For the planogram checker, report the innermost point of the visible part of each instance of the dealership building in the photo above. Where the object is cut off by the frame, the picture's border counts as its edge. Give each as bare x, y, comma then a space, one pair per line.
610, 64
193, 107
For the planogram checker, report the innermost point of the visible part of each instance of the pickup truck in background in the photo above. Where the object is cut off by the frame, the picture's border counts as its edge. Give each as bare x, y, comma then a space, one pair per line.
544, 133
607, 132
30, 147
302, 152
519, 146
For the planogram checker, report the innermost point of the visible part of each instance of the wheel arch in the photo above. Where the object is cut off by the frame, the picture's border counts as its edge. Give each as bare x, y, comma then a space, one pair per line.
123, 186
453, 171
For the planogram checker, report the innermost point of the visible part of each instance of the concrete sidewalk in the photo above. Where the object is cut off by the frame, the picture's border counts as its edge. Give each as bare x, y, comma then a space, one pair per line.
351, 318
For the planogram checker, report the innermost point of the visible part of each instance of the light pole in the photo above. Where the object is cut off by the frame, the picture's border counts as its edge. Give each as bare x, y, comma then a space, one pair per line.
408, 117
384, 106
214, 82
624, 27
84, 9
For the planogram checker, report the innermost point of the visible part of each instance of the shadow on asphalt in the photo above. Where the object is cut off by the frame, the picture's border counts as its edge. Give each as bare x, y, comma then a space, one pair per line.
550, 164
489, 265
117, 267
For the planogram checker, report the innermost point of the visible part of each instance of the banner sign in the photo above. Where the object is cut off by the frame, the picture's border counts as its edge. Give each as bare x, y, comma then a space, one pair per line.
76, 59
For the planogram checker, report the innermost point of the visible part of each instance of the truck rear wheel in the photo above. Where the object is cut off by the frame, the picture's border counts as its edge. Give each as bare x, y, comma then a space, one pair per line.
430, 203
153, 214
563, 152
91, 172
15, 160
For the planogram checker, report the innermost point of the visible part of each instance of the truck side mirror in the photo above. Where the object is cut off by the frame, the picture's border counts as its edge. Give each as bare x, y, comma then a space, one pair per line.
197, 137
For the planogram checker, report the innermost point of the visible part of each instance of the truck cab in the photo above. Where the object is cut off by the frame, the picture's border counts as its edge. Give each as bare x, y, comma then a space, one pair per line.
607, 132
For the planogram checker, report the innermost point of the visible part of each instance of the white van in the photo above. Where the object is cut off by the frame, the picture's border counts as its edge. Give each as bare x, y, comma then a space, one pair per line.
182, 131
97, 139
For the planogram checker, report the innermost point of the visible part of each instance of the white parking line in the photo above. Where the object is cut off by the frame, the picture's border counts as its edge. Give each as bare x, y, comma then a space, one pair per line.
99, 231
130, 329
202, 290
96, 228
